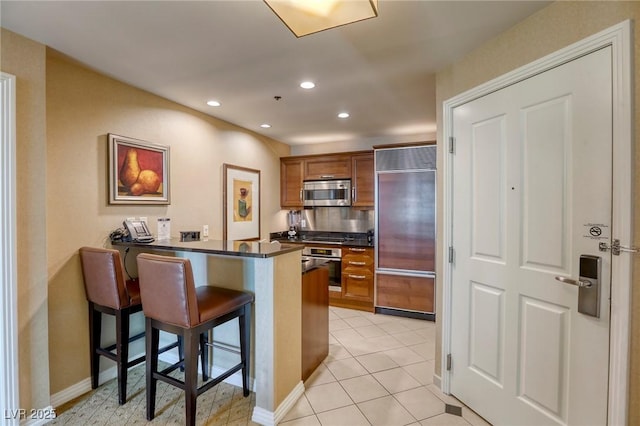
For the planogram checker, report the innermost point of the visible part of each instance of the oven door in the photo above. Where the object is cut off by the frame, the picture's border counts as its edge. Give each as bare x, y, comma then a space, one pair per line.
334, 265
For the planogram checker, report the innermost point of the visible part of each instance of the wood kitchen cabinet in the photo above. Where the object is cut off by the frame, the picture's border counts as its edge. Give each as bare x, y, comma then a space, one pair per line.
357, 276
315, 319
357, 166
406, 292
336, 166
291, 172
362, 169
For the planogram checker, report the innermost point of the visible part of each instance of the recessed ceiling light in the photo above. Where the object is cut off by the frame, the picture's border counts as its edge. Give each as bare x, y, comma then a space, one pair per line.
213, 103
265, 125
307, 85
343, 115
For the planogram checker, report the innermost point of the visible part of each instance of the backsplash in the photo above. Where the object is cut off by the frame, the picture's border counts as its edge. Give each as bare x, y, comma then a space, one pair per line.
336, 219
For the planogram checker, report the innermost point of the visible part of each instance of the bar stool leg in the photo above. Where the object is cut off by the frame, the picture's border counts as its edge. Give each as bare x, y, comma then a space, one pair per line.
245, 349
122, 352
181, 352
192, 340
152, 338
204, 356
95, 328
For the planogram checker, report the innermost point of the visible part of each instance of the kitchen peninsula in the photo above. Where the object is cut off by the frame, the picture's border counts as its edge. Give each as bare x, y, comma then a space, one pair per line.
272, 272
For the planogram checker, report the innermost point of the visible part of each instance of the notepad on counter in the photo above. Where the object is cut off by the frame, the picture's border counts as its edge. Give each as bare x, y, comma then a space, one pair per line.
164, 228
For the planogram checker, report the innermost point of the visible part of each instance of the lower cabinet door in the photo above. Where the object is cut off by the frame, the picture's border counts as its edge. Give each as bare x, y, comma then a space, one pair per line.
357, 284
315, 319
405, 292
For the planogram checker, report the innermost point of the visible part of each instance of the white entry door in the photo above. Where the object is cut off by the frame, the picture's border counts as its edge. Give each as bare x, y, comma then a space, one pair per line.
532, 176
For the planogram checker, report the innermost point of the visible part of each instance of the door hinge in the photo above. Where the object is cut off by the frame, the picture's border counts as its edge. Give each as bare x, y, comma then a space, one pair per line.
451, 254
449, 362
452, 144
616, 248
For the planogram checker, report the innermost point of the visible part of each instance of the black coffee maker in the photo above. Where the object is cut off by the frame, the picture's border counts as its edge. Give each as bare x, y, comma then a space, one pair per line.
370, 236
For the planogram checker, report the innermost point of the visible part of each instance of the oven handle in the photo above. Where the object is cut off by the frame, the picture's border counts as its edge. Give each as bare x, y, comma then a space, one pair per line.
331, 259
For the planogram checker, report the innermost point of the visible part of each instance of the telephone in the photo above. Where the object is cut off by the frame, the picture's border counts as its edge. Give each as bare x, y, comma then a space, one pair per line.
138, 231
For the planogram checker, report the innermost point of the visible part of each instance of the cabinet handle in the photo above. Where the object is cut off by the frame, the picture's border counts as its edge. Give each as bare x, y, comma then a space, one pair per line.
357, 250
357, 277
326, 176
357, 263
353, 194
301, 195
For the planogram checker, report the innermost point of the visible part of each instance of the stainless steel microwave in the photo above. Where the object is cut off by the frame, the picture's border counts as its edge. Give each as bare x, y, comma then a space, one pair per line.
326, 193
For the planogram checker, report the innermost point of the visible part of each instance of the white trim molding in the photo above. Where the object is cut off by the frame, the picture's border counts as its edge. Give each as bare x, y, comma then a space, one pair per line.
619, 37
9, 392
268, 418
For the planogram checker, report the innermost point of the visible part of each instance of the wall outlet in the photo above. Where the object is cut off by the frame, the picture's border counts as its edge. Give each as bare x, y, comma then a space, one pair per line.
131, 218
205, 231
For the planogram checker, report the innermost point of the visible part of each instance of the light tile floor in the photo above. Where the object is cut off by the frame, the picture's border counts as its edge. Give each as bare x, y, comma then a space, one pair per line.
379, 372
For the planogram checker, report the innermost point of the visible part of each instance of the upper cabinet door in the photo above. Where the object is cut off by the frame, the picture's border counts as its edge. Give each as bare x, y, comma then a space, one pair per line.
291, 170
327, 167
363, 180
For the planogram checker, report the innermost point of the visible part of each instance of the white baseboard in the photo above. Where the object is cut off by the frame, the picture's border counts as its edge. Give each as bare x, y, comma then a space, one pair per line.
437, 380
269, 418
82, 387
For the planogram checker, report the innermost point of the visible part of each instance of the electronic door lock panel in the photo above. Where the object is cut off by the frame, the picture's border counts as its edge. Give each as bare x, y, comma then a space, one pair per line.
588, 285
589, 295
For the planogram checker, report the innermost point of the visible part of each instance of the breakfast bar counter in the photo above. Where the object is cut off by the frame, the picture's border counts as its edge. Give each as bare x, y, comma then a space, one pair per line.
253, 249
272, 271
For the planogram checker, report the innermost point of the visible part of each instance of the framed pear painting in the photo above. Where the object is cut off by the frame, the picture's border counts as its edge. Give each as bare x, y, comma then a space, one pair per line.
138, 171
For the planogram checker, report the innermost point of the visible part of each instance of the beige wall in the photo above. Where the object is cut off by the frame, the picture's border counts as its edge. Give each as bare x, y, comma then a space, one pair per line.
26, 60
554, 27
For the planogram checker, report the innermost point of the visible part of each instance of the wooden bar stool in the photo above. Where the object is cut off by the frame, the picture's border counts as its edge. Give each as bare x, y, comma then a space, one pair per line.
108, 292
172, 303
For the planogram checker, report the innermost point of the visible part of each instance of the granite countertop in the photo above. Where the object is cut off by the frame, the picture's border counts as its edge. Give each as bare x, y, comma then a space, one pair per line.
218, 247
353, 240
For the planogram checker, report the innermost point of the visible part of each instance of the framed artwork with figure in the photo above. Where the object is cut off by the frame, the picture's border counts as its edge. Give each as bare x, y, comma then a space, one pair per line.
138, 171
241, 203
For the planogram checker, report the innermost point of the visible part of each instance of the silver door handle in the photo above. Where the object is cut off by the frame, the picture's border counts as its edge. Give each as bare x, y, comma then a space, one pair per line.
579, 283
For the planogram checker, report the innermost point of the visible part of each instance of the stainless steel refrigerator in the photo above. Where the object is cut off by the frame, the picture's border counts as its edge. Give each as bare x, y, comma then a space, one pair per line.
405, 230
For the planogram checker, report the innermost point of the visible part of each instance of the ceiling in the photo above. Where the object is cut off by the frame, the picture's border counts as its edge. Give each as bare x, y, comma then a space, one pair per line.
381, 70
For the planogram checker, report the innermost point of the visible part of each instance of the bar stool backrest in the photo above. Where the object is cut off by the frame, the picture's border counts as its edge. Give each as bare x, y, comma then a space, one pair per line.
167, 289
104, 280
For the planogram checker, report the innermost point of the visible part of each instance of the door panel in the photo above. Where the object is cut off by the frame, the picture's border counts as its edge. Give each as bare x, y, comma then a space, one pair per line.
543, 345
487, 332
532, 173
489, 176
546, 143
